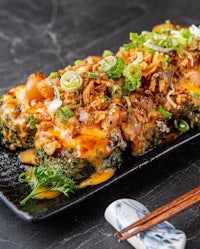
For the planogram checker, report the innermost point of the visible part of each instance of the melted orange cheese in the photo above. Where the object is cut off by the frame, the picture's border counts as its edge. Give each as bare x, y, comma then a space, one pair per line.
190, 87
90, 143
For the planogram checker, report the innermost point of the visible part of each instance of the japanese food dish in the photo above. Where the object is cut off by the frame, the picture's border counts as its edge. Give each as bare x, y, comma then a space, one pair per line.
73, 127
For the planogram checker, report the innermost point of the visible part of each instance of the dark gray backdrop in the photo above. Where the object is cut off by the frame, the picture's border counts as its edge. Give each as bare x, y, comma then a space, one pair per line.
48, 35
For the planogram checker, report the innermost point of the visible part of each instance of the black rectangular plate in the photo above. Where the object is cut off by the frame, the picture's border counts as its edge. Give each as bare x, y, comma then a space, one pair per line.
11, 191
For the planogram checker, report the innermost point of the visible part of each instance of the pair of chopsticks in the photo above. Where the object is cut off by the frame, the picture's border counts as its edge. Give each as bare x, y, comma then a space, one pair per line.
163, 213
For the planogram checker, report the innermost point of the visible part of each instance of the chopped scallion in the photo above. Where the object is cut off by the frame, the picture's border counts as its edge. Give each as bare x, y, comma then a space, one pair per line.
32, 122
128, 46
115, 72
151, 44
181, 125
106, 99
163, 112
92, 75
138, 59
195, 31
112, 66
137, 41
128, 101
165, 62
77, 62
53, 75
56, 93
195, 94
132, 75
132, 72
107, 53
71, 81
64, 113
131, 85
116, 91
107, 63
166, 42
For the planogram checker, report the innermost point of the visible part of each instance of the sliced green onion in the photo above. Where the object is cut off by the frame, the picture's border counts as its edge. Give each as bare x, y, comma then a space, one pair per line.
128, 46
107, 53
115, 72
138, 59
146, 35
106, 99
150, 44
128, 101
195, 31
166, 42
163, 112
131, 85
53, 75
32, 122
77, 62
132, 72
76, 106
92, 75
165, 28
181, 125
195, 95
112, 66
165, 62
64, 113
137, 40
71, 81
116, 91
133, 36
186, 33
151, 51
132, 75
107, 63
54, 105
56, 92
161, 41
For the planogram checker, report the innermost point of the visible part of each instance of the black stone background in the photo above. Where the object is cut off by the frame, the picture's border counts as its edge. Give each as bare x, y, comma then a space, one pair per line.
47, 35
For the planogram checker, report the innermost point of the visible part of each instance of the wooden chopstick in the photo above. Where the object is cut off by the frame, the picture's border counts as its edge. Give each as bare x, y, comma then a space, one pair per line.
165, 212
160, 210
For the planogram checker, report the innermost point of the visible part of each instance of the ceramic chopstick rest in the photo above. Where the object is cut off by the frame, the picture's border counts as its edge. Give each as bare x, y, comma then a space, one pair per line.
124, 212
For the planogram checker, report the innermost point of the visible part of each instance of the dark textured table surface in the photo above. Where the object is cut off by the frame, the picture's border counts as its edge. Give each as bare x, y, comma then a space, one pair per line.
48, 35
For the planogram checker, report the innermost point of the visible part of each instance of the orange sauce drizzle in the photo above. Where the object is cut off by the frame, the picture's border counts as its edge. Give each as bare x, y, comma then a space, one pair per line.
97, 178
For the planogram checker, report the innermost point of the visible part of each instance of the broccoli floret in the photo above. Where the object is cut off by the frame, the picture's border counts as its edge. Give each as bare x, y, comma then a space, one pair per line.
75, 168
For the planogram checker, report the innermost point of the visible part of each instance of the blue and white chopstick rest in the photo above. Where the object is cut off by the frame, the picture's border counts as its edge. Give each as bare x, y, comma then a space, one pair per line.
124, 212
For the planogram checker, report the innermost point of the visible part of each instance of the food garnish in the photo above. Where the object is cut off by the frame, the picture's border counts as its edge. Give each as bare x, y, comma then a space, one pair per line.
45, 181
71, 81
